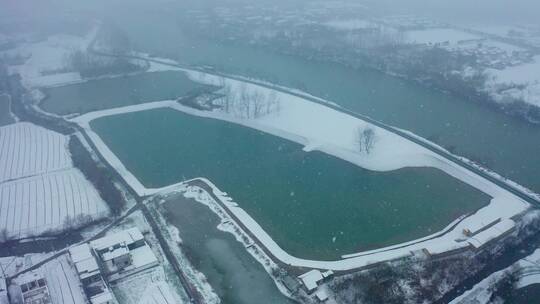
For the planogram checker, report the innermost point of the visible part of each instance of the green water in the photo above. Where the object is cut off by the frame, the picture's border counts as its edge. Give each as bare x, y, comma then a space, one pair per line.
509, 146
313, 205
232, 272
5, 114
116, 92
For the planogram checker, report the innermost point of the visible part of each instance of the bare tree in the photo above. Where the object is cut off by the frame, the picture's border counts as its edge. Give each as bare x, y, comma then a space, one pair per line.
369, 139
257, 99
82, 220
366, 139
359, 139
227, 99
248, 103
272, 103
244, 103
69, 223
5, 236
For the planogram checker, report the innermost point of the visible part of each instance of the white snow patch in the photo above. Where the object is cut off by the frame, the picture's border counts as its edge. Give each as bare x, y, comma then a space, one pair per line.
48, 59
526, 76
158, 293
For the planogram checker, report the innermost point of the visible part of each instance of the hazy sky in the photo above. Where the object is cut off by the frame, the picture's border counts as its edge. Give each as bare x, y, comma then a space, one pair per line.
458, 12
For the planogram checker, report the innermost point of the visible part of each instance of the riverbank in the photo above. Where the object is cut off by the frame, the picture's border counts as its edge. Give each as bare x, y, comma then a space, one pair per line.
427, 158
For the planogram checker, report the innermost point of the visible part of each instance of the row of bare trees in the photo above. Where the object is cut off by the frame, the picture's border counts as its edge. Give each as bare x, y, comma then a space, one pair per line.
70, 223
247, 103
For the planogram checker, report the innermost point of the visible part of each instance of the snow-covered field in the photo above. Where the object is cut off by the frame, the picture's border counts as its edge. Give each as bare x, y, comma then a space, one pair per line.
39, 187
41, 203
525, 77
13, 264
321, 128
147, 287
158, 293
47, 60
27, 150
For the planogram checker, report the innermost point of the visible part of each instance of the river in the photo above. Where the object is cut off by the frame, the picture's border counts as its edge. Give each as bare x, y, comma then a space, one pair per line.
509, 146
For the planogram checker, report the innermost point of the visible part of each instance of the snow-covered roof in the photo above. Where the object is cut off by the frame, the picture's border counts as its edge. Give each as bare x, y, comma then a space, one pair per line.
474, 227
143, 256
504, 226
327, 274
311, 279
444, 247
493, 232
87, 268
114, 253
84, 261
321, 295
80, 253
128, 236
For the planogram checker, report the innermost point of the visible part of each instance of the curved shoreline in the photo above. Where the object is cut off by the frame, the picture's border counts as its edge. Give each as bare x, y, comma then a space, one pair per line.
440, 242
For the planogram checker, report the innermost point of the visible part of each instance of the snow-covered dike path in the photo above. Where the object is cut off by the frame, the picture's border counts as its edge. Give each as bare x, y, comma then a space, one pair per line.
39, 187
319, 127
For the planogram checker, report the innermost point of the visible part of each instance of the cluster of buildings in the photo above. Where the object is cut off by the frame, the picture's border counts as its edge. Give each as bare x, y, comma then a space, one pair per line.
97, 264
310, 283
109, 259
31, 288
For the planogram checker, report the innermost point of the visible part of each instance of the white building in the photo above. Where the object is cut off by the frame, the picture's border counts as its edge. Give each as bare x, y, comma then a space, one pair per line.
321, 296
108, 259
311, 279
94, 286
123, 253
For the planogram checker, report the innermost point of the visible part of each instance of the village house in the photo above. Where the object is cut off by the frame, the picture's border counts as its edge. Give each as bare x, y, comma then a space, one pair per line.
313, 278
94, 286
123, 253
109, 259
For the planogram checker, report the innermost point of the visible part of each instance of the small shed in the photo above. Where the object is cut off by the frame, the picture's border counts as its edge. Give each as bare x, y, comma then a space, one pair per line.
321, 296
311, 280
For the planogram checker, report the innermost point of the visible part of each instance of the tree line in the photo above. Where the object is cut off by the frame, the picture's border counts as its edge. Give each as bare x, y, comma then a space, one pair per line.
247, 103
